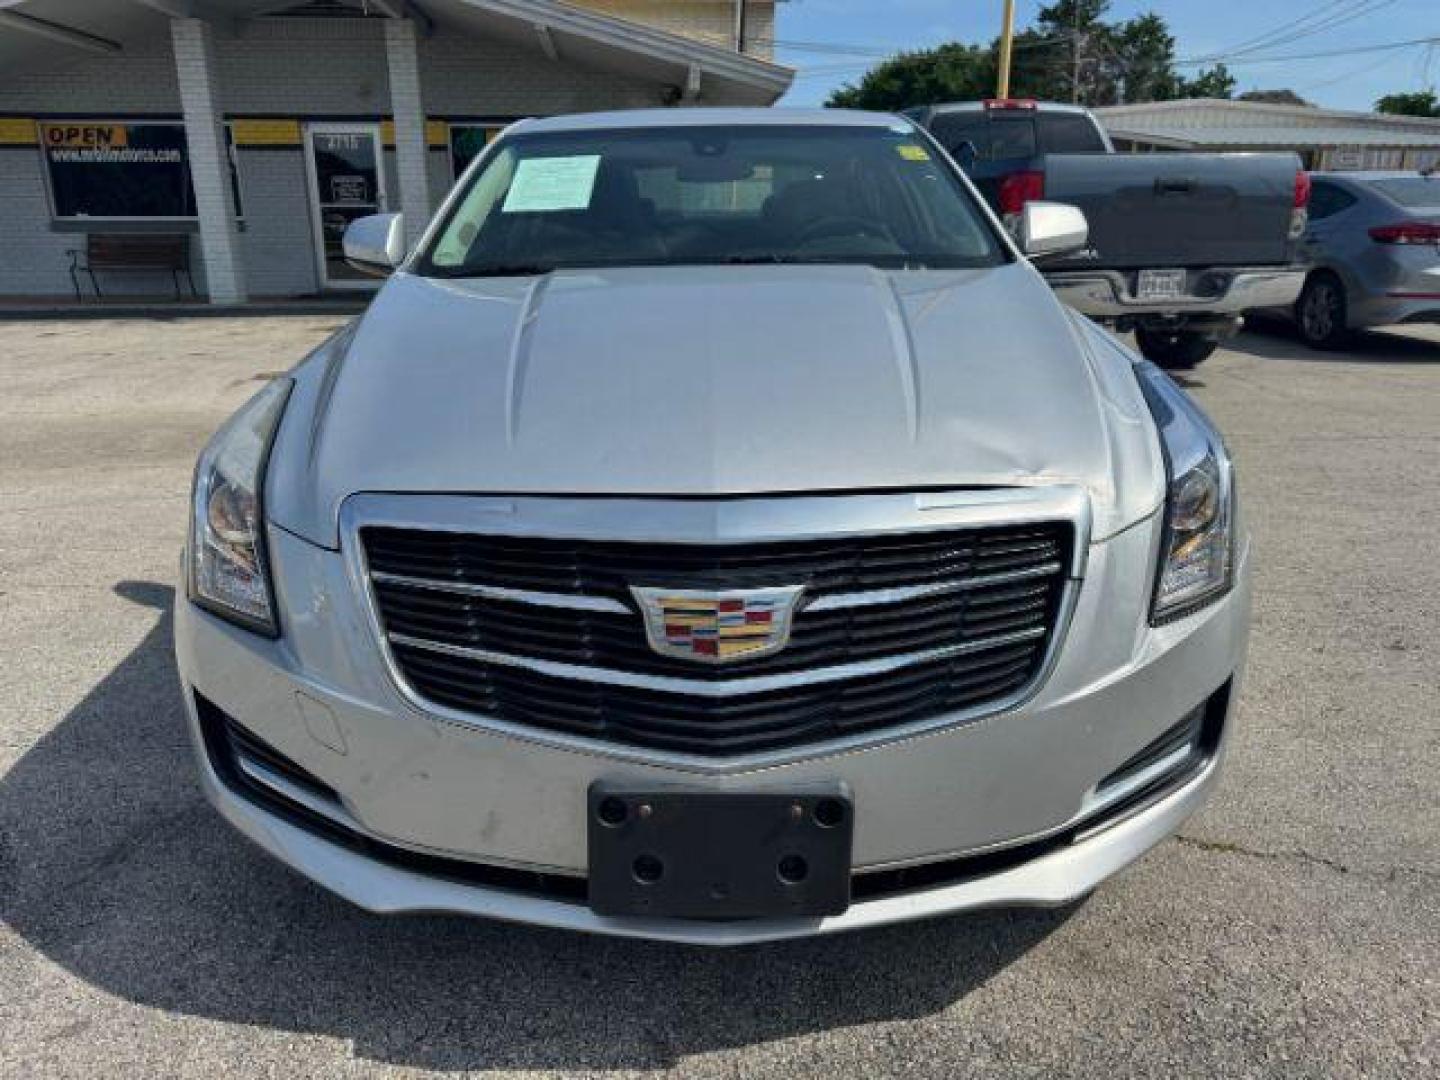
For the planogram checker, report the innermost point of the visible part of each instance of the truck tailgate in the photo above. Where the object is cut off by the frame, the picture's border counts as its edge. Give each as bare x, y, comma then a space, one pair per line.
1177, 210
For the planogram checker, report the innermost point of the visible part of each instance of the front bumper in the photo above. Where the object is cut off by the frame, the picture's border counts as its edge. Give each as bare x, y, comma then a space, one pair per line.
1024, 782
1110, 294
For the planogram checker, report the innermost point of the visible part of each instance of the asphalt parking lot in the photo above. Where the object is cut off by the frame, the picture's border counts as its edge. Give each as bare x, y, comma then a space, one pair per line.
1292, 929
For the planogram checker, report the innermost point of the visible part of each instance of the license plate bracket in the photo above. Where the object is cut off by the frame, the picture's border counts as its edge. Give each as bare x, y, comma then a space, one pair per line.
683, 853
1160, 285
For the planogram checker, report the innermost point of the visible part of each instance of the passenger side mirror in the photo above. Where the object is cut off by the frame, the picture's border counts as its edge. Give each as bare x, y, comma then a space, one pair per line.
375, 244
1050, 228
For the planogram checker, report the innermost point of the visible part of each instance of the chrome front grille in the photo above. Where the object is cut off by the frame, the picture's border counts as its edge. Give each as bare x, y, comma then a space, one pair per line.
893, 629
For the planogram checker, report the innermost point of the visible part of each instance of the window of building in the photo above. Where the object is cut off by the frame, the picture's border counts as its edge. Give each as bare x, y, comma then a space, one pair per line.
466, 143
130, 170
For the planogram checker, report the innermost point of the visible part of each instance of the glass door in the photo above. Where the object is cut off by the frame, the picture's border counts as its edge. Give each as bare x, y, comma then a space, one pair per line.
347, 181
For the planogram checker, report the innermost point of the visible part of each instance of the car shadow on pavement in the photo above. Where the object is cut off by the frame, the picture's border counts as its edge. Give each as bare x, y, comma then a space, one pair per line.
1276, 339
114, 867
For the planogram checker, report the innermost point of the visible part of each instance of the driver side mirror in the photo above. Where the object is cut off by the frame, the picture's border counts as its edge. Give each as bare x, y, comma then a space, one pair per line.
375, 244
1047, 229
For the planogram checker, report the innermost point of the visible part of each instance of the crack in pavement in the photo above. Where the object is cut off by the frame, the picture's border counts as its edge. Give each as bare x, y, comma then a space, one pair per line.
1300, 855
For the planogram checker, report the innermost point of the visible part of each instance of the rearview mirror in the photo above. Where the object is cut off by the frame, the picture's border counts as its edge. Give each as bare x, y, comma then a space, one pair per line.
375, 244
1051, 228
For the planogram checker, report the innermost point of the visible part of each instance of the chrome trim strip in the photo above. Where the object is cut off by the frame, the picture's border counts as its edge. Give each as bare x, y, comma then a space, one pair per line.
573, 601
833, 602
720, 520
1101, 798
902, 593
717, 520
263, 774
758, 684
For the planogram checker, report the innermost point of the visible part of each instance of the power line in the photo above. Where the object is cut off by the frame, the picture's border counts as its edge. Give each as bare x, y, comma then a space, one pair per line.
1366, 8
838, 48
1351, 51
1277, 31
1368, 66
1323, 18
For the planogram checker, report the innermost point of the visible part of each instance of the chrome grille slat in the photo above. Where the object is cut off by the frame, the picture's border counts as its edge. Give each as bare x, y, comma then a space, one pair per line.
891, 629
736, 687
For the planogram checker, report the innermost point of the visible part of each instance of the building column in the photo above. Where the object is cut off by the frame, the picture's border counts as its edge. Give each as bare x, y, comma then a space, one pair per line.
402, 55
209, 159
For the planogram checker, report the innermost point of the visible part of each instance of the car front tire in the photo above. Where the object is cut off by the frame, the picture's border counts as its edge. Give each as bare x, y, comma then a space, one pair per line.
1320, 312
1175, 350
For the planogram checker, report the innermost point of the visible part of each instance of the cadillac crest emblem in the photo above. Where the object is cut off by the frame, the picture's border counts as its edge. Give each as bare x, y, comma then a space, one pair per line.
717, 626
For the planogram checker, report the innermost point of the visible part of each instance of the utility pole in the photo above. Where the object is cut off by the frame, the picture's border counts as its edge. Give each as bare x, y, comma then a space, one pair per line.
1075, 59
1007, 33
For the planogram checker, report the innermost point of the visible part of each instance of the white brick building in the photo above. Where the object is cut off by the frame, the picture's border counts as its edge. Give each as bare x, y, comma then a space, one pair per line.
255, 130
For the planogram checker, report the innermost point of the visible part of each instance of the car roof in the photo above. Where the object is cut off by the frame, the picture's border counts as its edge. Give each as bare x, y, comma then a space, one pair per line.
670, 118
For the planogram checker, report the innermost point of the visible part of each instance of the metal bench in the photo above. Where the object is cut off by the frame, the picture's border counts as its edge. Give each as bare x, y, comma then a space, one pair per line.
149, 253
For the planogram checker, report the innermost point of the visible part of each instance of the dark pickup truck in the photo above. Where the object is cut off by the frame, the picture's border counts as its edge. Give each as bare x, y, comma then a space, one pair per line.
1180, 244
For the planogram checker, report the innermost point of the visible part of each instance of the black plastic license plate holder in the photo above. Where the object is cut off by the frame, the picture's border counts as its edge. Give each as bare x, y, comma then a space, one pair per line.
683, 853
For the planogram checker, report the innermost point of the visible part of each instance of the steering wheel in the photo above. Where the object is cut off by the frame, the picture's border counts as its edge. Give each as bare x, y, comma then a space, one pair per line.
840, 225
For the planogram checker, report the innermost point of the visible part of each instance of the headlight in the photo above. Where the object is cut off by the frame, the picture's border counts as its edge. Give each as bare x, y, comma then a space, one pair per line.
1197, 546
227, 571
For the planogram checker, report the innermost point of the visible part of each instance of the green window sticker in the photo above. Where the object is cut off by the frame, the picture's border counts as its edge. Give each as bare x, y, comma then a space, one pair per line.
552, 183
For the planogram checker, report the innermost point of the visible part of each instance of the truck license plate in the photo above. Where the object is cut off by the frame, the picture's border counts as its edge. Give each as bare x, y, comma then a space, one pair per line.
690, 854
1160, 285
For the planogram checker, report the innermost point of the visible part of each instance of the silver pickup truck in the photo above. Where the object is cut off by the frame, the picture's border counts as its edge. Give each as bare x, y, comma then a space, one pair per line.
1180, 244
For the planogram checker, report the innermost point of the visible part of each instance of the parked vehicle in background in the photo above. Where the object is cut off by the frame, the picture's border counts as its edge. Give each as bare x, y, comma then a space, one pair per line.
1180, 244
1374, 245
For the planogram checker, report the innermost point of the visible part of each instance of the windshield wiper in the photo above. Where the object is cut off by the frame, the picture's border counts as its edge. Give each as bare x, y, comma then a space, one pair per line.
757, 260
496, 270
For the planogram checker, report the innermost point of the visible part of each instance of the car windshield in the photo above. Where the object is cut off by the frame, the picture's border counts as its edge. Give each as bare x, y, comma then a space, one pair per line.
711, 194
1412, 191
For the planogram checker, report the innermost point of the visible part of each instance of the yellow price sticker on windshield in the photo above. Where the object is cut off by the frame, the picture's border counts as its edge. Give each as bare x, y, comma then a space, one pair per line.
911, 152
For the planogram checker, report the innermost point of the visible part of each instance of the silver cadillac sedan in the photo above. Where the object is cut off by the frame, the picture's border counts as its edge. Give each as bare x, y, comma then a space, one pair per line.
713, 531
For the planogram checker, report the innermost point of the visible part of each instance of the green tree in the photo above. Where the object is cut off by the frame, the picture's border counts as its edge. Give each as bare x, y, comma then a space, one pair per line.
1070, 54
1216, 82
952, 72
1419, 103
1275, 97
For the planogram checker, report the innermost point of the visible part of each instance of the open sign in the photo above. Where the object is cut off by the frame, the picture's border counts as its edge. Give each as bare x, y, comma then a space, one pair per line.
85, 135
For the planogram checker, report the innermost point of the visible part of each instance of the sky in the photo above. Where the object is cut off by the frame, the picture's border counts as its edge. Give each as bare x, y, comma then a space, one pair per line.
833, 41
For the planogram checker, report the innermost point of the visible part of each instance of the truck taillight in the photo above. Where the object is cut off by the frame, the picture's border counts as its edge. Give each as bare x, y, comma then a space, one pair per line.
1299, 215
1019, 188
1010, 103
1407, 232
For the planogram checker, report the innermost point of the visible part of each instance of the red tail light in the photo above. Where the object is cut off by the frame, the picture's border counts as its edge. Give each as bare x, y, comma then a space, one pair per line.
1019, 188
1407, 232
1009, 103
1302, 189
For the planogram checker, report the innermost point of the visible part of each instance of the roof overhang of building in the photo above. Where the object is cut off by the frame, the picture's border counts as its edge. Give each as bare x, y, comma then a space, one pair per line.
1281, 137
35, 34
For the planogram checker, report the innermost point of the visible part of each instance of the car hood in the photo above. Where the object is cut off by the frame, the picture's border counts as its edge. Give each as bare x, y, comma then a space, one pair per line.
714, 381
